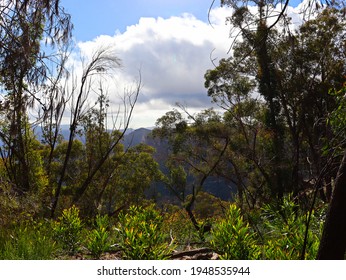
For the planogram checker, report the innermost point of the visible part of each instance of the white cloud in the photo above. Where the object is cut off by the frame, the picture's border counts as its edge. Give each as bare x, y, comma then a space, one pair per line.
172, 55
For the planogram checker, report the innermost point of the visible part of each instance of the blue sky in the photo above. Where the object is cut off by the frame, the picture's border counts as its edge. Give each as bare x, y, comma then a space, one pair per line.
92, 18
169, 41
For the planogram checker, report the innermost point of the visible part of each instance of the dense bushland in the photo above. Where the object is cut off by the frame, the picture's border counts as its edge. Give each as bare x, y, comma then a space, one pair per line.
145, 232
276, 137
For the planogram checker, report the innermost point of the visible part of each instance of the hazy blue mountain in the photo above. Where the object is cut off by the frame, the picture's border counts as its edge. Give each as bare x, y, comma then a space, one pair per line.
137, 136
65, 132
214, 185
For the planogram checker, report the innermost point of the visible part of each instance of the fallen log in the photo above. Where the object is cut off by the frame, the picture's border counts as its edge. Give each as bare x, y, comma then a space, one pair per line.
196, 254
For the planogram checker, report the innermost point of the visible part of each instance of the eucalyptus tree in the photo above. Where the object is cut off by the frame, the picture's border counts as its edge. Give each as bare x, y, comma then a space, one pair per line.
198, 147
257, 34
295, 71
24, 25
101, 176
286, 68
333, 240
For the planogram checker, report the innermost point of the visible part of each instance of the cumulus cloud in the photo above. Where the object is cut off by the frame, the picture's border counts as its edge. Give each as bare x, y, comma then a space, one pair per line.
172, 56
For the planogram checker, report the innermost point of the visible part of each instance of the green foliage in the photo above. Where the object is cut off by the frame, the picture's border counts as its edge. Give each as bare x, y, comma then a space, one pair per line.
27, 241
282, 227
279, 130
21, 162
137, 171
209, 207
141, 236
337, 118
284, 231
233, 238
181, 230
144, 233
98, 239
68, 230
75, 167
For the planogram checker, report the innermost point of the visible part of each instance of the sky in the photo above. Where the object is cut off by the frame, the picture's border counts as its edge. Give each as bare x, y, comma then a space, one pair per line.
171, 43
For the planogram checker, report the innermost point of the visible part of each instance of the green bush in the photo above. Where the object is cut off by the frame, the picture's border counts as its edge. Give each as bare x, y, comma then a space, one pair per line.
68, 230
140, 234
27, 241
284, 228
233, 239
98, 238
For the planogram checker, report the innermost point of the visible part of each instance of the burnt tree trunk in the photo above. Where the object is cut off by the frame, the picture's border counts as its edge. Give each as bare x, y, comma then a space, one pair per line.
333, 241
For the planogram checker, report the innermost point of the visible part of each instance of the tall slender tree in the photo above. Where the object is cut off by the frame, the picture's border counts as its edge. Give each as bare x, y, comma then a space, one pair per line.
23, 25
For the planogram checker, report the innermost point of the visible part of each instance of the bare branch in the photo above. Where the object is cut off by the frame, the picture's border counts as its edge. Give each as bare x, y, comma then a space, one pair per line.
103, 61
131, 99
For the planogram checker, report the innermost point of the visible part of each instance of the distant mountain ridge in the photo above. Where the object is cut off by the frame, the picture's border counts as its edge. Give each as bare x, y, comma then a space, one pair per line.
132, 136
136, 137
214, 185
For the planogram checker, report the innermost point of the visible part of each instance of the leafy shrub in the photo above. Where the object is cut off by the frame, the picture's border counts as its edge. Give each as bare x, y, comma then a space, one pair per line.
140, 234
68, 230
98, 238
284, 229
27, 241
233, 238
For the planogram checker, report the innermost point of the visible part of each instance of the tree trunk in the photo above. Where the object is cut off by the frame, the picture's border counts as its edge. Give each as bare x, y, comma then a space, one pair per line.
333, 241
268, 88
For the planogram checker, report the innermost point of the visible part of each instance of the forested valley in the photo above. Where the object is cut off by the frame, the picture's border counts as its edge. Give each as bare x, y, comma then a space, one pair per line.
261, 174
